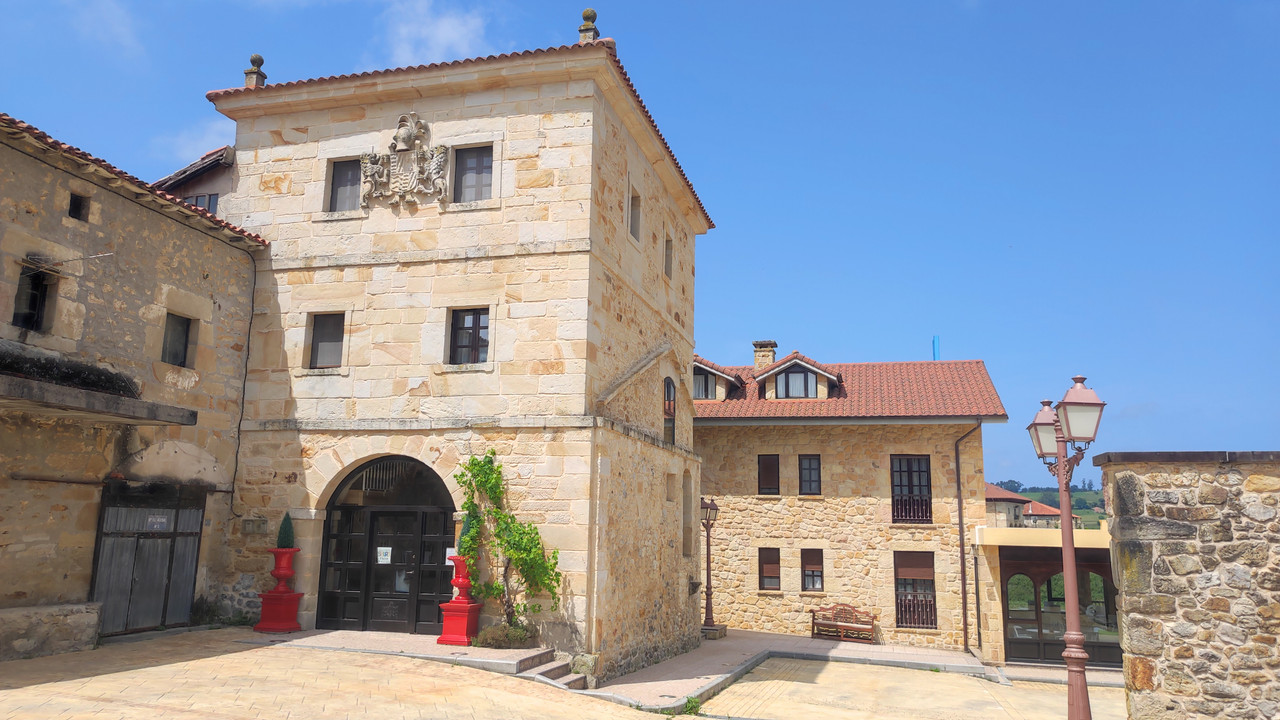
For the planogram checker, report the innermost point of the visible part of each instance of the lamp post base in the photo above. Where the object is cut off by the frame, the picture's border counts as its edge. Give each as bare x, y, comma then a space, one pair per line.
714, 632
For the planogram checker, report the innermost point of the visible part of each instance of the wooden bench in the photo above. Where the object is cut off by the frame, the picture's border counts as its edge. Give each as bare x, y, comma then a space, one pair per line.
844, 622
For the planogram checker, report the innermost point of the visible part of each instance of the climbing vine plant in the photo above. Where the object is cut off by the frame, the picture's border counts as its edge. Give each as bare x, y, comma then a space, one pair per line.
516, 548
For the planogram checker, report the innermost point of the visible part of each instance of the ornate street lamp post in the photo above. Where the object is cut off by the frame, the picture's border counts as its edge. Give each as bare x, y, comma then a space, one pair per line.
709, 513
1076, 422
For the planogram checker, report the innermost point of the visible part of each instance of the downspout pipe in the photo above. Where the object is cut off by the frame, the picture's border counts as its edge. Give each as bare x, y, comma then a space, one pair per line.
964, 576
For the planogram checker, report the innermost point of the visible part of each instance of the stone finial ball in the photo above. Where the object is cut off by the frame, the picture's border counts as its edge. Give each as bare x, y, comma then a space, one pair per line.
589, 15
256, 60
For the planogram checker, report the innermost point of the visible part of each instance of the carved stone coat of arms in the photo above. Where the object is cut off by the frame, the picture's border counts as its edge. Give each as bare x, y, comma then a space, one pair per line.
409, 172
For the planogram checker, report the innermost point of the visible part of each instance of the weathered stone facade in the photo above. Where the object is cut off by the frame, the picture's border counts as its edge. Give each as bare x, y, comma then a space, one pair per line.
1194, 538
585, 322
851, 522
85, 395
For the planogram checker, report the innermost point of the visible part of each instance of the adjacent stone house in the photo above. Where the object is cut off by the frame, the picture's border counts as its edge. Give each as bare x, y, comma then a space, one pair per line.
856, 483
1194, 538
494, 253
124, 319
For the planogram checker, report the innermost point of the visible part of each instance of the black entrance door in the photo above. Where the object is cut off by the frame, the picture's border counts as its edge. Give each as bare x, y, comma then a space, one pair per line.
384, 559
147, 551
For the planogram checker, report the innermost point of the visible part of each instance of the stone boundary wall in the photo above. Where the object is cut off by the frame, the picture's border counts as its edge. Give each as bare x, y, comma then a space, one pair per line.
28, 632
1193, 546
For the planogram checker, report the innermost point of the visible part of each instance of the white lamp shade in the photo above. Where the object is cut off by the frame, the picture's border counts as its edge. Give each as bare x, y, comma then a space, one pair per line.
1044, 437
1080, 412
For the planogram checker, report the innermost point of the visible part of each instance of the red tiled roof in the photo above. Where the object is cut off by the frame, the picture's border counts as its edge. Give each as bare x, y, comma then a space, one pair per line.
17, 128
938, 388
727, 372
222, 157
608, 44
999, 494
1039, 508
794, 356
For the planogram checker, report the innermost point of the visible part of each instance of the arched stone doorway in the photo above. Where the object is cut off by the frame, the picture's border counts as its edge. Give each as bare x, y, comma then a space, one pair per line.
386, 532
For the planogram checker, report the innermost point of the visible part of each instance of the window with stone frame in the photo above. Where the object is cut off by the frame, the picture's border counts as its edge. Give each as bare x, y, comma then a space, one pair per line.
327, 335
473, 174
704, 385
767, 475
797, 382
668, 251
469, 336
770, 573
633, 215
912, 493
344, 186
811, 570
810, 474
668, 410
33, 304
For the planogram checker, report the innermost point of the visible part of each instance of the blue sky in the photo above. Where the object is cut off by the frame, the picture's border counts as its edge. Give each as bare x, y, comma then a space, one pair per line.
1055, 188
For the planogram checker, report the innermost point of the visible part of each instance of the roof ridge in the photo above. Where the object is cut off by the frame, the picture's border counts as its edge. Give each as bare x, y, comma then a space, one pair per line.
24, 128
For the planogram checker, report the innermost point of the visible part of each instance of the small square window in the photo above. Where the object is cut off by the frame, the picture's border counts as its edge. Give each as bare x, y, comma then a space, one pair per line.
633, 222
78, 208
811, 569
327, 332
32, 305
473, 175
469, 338
344, 186
177, 340
770, 572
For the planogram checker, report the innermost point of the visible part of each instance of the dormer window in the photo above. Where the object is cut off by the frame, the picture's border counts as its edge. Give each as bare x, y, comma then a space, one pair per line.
704, 385
797, 383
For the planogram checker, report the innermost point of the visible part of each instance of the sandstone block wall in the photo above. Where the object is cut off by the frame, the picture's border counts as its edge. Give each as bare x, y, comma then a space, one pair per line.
1194, 552
109, 312
28, 632
851, 522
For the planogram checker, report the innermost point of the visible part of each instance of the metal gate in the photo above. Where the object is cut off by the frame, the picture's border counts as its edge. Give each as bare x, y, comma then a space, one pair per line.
148, 549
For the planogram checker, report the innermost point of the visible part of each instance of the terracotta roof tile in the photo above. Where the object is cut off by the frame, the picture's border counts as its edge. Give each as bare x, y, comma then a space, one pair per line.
727, 372
794, 356
1040, 509
997, 493
607, 43
16, 127
222, 157
939, 388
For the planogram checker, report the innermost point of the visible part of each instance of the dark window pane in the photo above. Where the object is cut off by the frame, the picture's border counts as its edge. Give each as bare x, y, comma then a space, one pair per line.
177, 331
767, 470
811, 568
326, 340
78, 208
213, 204
810, 475
473, 177
469, 342
912, 493
344, 186
667, 252
30, 306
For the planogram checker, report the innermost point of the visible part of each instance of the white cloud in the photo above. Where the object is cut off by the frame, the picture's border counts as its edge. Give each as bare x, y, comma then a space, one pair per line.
187, 146
419, 33
106, 22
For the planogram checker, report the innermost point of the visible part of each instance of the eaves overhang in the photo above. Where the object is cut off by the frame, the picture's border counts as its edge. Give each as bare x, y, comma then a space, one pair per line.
776, 421
48, 399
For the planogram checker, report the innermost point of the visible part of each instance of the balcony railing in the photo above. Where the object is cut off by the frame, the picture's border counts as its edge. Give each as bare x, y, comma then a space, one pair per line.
912, 509
917, 610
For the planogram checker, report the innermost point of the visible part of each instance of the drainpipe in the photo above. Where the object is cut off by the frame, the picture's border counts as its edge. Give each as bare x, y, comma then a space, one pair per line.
964, 579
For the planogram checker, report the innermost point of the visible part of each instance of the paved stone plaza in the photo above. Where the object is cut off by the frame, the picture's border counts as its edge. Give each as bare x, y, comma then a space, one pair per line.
226, 674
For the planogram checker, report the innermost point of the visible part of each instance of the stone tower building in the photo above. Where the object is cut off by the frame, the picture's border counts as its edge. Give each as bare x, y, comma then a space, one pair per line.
494, 253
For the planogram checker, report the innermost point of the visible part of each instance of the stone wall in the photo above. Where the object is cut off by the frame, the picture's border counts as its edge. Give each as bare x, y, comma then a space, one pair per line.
28, 632
120, 270
851, 522
1194, 538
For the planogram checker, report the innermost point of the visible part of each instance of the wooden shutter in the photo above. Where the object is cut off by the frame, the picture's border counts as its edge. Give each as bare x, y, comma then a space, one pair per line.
913, 565
770, 569
768, 475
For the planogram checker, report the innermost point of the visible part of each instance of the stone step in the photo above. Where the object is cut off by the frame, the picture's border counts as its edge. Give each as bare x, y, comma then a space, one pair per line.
551, 670
576, 681
533, 660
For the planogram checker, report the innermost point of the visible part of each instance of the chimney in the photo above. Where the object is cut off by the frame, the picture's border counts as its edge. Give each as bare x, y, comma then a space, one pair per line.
254, 77
587, 31
764, 353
